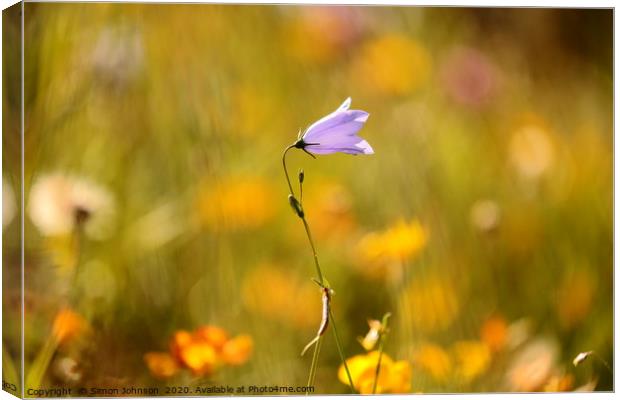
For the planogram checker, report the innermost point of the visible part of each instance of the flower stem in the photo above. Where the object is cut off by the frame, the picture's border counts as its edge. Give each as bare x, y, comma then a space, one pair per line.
381, 341
340, 352
317, 348
288, 179
315, 363
316, 257
78, 239
602, 360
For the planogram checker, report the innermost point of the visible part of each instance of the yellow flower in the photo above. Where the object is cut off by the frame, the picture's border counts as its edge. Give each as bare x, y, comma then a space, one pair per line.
392, 65
237, 203
391, 247
434, 301
472, 357
237, 350
161, 365
68, 325
394, 377
434, 360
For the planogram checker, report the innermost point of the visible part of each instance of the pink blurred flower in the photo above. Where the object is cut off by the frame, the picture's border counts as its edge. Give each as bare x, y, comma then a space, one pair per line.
469, 77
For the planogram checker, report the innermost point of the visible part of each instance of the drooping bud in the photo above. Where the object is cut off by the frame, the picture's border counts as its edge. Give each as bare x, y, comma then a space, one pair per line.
301, 176
296, 206
581, 357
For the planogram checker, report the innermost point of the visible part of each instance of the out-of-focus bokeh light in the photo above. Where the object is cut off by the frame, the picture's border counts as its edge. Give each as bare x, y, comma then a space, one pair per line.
392, 65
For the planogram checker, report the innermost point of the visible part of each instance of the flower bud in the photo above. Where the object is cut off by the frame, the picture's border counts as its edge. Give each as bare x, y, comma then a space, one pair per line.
296, 206
581, 357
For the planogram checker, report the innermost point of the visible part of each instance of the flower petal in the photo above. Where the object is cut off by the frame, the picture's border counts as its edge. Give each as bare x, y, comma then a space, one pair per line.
353, 145
345, 124
337, 118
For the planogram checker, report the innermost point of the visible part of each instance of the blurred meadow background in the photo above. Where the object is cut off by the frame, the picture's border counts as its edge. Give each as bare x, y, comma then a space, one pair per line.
160, 248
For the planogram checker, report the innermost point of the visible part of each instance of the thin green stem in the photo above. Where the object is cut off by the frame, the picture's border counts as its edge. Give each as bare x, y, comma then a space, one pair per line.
340, 352
316, 257
315, 363
381, 342
288, 179
305, 222
317, 348
78, 238
378, 370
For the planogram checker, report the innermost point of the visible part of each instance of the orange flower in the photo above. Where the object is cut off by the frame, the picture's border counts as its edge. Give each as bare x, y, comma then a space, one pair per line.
213, 335
201, 351
237, 350
199, 357
161, 365
494, 333
68, 325
179, 340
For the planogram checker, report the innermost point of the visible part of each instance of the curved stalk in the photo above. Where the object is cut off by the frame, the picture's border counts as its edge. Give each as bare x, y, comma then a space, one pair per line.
301, 215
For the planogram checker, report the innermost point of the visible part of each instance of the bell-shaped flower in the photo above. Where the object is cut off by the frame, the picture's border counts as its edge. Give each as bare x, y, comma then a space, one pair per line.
337, 133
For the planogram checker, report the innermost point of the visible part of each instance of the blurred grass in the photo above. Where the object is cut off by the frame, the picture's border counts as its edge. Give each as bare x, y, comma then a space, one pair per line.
181, 112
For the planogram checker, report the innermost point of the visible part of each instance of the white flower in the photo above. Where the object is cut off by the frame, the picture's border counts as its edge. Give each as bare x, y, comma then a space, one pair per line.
532, 365
58, 203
